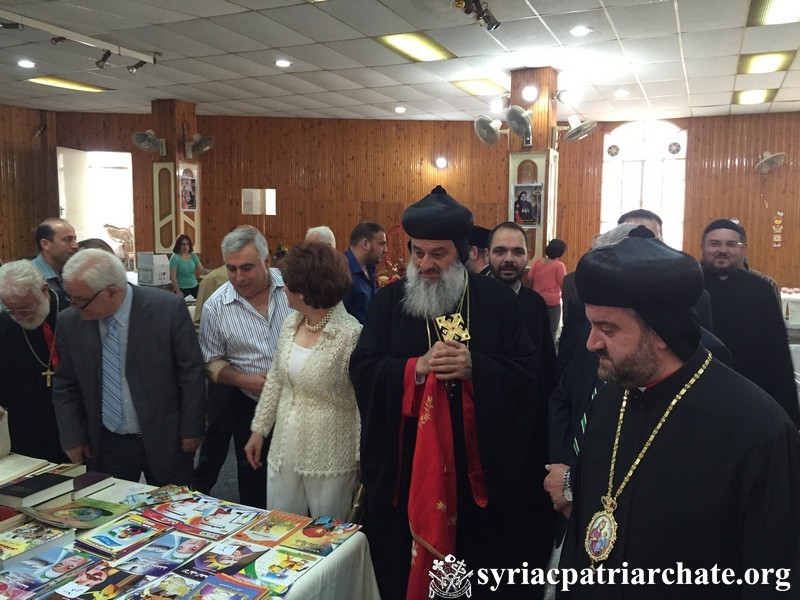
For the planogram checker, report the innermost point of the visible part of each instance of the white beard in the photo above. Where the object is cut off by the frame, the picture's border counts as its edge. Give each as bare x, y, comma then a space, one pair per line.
428, 299
37, 317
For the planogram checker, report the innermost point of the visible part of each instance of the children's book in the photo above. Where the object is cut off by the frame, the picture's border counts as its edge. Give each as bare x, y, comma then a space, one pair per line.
31, 539
162, 555
321, 536
121, 537
162, 495
219, 588
36, 574
229, 556
101, 581
277, 569
167, 587
272, 528
203, 516
85, 513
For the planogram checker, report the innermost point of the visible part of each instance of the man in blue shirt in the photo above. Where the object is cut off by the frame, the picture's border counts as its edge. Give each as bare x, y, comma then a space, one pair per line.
367, 249
56, 242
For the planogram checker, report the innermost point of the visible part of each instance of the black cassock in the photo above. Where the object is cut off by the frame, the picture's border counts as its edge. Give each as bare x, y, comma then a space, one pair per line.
504, 375
24, 392
747, 318
720, 484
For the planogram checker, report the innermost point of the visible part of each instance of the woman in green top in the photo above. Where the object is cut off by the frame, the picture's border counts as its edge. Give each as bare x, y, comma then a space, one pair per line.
185, 267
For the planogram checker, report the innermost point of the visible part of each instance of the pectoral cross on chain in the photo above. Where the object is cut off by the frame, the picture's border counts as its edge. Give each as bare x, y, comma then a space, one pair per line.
452, 328
49, 374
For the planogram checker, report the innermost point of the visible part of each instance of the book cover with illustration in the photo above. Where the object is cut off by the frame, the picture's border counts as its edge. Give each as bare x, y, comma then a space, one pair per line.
167, 587
277, 569
321, 536
204, 516
35, 574
229, 556
162, 495
222, 588
85, 513
273, 527
31, 539
101, 581
121, 537
162, 555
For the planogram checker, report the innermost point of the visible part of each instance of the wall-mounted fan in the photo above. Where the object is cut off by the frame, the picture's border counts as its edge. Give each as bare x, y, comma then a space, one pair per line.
519, 121
577, 130
147, 141
488, 130
770, 161
198, 145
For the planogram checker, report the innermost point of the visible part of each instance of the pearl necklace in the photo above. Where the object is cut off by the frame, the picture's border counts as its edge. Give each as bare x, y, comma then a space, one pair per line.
319, 326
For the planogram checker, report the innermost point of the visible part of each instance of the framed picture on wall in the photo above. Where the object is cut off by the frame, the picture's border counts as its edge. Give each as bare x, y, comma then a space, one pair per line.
526, 204
187, 186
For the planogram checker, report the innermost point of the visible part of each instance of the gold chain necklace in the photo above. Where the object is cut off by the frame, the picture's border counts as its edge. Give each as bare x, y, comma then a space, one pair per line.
48, 372
450, 327
320, 325
601, 533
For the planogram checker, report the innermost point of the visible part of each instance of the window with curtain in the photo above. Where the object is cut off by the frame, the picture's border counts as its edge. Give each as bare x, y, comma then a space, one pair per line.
644, 166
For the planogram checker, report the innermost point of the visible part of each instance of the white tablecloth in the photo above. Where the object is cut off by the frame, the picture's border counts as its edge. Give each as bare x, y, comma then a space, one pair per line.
790, 307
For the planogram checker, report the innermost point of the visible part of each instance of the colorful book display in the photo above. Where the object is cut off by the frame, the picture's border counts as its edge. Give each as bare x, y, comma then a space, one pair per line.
101, 581
204, 516
167, 587
34, 575
162, 556
121, 537
219, 588
272, 528
226, 557
84, 513
321, 536
30, 539
277, 569
162, 495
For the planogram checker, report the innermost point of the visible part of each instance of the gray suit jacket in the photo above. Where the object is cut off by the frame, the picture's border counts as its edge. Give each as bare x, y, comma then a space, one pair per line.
164, 369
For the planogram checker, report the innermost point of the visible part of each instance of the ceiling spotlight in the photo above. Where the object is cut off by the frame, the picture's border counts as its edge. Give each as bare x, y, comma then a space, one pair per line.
103, 62
26, 64
580, 30
458, 3
486, 18
282, 63
57, 40
621, 93
133, 68
17, 26
530, 93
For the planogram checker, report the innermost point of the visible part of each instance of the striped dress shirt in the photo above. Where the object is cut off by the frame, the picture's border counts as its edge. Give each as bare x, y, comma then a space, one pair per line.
231, 329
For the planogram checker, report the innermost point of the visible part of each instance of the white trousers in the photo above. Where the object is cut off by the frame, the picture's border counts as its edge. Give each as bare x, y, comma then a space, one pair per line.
316, 496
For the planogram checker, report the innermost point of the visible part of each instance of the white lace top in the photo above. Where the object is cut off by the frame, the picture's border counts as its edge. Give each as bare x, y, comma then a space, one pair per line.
328, 422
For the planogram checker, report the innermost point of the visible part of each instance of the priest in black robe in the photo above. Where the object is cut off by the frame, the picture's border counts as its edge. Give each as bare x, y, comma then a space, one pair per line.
746, 317
486, 384
28, 359
704, 466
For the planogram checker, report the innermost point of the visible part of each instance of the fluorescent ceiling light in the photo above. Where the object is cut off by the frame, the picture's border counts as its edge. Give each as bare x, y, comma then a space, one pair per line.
67, 84
282, 63
400, 109
766, 63
417, 47
753, 96
480, 87
580, 30
26, 64
773, 12
621, 93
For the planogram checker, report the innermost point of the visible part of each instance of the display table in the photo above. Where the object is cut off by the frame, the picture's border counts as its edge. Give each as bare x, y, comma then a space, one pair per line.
790, 308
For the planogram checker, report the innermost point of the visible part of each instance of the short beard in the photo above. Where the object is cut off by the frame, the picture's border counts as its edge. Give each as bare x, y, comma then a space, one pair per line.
426, 299
719, 271
37, 318
636, 370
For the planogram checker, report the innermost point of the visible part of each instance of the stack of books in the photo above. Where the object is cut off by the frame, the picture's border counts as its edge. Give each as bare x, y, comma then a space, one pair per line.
30, 539
35, 490
38, 574
121, 537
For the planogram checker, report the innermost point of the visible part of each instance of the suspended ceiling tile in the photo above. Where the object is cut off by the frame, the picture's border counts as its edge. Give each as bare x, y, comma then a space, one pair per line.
368, 17
197, 8
433, 105
329, 81
557, 7
333, 99
671, 102
262, 29
366, 96
426, 15
133, 11
157, 39
367, 52
469, 40
408, 73
312, 21
190, 93
771, 38
792, 79
710, 99
370, 112
759, 81
785, 107
659, 71
240, 65
702, 85
712, 14
451, 70
560, 25
788, 95
367, 77
748, 109
201, 69
268, 58
257, 87
224, 90
644, 20
215, 35
323, 57
723, 42
658, 89
403, 93
712, 67
454, 116
441, 89
292, 83
710, 111
469, 103
654, 49
338, 113
79, 19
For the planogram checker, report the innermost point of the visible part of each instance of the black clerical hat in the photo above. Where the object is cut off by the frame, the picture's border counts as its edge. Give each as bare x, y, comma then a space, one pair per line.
660, 283
479, 237
725, 224
437, 217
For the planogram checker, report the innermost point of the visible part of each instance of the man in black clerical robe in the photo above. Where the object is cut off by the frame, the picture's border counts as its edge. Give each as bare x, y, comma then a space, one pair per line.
719, 483
746, 317
397, 354
28, 359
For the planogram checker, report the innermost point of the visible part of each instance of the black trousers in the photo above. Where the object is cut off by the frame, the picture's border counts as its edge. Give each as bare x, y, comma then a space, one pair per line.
217, 440
123, 457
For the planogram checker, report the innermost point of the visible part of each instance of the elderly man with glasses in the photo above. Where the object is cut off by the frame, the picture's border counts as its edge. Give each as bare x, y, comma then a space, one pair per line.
745, 315
28, 358
129, 391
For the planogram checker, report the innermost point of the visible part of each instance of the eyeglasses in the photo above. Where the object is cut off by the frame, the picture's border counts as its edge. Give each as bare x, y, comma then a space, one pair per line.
90, 300
20, 312
730, 244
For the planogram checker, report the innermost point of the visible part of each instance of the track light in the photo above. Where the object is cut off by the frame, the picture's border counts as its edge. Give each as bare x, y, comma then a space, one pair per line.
486, 18
133, 68
103, 62
57, 40
17, 26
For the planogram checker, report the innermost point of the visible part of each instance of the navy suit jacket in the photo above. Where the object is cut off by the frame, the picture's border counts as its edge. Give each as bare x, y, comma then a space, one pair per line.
164, 369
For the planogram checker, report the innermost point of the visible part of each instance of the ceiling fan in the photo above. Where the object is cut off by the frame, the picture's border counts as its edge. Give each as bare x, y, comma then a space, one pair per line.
488, 130
519, 121
577, 130
770, 161
198, 145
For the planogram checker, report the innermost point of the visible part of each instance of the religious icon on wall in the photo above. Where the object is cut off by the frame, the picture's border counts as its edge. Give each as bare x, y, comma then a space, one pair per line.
527, 204
188, 190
